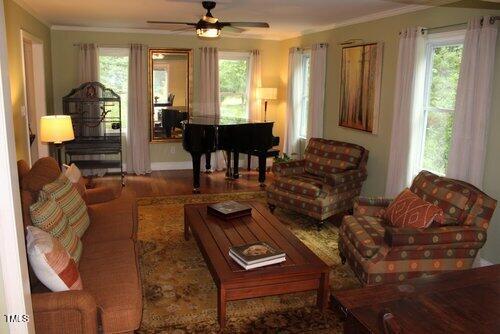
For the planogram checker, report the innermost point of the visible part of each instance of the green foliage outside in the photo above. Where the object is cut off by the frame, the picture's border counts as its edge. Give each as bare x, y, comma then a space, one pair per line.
443, 90
233, 76
113, 73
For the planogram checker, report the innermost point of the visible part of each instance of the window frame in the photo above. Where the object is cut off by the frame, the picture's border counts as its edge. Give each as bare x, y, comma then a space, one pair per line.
305, 92
117, 51
434, 41
235, 56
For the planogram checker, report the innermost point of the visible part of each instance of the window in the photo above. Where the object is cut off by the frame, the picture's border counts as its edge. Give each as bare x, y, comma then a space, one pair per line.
233, 82
443, 59
304, 92
113, 73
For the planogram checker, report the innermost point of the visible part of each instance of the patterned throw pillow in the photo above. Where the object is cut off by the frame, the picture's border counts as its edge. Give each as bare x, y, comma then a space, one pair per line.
409, 210
51, 262
70, 201
48, 216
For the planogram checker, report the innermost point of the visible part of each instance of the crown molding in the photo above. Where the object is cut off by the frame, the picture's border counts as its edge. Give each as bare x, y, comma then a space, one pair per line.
32, 12
364, 19
154, 31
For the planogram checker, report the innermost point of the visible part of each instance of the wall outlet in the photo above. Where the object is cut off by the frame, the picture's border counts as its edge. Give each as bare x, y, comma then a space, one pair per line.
172, 150
24, 111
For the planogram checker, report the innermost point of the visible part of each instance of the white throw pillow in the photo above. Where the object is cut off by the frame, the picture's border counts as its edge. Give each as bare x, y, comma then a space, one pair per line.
72, 172
51, 262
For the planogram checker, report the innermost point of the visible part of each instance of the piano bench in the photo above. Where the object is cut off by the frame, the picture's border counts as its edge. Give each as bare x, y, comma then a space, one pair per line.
272, 153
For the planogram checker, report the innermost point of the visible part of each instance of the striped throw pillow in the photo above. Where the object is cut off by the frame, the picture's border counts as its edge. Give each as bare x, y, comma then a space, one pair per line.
70, 201
47, 215
51, 262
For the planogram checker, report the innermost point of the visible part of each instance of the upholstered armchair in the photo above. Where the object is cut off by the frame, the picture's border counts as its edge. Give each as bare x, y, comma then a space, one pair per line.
324, 183
378, 253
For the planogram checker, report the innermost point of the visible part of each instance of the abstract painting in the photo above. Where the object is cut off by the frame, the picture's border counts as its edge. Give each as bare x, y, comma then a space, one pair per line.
360, 86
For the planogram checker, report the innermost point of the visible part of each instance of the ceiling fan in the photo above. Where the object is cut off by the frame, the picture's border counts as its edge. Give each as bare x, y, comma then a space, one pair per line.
210, 27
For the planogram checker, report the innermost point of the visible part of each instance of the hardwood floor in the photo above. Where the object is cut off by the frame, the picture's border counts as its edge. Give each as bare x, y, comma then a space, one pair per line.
180, 182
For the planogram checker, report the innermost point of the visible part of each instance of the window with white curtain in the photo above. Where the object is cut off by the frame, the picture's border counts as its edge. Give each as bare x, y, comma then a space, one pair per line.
442, 59
113, 73
304, 92
234, 69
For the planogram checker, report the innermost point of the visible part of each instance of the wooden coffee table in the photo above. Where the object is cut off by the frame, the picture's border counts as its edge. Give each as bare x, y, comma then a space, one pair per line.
302, 270
464, 301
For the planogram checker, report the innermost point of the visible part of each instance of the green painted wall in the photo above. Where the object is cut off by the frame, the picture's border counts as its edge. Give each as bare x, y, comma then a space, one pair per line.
16, 18
386, 30
64, 60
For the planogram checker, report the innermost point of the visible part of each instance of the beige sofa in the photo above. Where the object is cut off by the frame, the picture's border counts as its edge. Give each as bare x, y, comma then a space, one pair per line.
111, 299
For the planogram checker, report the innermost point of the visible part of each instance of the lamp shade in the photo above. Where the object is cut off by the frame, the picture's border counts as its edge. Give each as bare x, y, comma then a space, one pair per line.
267, 93
56, 129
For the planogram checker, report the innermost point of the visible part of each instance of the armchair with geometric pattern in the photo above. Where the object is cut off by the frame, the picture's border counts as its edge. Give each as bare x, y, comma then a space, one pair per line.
324, 183
379, 253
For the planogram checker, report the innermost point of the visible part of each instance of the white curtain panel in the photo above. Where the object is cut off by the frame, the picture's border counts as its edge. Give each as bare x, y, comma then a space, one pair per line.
473, 102
254, 82
291, 143
88, 70
88, 62
407, 123
317, 91
254, 103
138, 159
210, 95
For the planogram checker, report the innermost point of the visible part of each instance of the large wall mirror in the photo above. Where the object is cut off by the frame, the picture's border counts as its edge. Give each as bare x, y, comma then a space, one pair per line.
170, 91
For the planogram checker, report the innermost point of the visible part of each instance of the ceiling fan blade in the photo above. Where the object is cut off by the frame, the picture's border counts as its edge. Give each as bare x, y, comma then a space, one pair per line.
247, 24
234, 29
171, 22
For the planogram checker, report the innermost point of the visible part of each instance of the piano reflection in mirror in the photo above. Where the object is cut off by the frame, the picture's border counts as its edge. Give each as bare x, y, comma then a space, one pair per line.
203, 135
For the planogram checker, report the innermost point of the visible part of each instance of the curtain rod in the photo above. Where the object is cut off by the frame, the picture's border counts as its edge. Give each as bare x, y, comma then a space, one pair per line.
492, 21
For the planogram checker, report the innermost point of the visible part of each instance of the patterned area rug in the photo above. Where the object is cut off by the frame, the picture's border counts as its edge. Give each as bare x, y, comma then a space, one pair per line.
180, 296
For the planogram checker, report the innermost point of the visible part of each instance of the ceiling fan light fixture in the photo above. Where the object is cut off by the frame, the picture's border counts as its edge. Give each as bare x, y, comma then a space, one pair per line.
208, 32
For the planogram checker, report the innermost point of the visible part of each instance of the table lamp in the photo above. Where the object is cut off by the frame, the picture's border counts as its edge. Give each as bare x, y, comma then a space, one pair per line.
56, 129
267, 94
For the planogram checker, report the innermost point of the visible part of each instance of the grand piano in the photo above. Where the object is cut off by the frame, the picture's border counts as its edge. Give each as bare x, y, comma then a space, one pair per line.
203, 135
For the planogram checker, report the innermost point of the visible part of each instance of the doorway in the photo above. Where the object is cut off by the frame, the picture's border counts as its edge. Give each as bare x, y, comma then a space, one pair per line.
34, 94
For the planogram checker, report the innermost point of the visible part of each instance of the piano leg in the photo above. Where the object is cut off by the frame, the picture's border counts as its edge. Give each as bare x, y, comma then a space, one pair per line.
228, 165
262, 169
196, 171
208, 165
236, 163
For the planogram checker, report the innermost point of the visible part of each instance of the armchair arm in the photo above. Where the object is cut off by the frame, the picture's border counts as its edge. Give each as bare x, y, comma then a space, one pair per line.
444, 235
67, 311
371, 206
99, 195
347, 176
289, 168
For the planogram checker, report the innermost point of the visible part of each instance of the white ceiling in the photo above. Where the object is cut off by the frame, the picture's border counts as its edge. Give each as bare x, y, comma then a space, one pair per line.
287, 18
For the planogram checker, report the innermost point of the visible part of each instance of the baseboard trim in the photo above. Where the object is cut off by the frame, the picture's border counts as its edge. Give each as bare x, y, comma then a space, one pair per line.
481, 262
174, 165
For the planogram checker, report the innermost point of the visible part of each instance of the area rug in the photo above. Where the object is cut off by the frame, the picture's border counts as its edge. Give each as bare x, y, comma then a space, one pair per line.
180, 295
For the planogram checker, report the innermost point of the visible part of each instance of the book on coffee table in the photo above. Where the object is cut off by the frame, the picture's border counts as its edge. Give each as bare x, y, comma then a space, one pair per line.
256, 254
229, 210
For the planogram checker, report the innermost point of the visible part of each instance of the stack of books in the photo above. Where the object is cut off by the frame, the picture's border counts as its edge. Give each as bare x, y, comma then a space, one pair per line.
229, 210
255, 255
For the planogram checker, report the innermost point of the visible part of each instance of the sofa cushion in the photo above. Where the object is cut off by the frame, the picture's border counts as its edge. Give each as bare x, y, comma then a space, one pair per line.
302, 184
51, 262
44, 171
455, 198
68, 198
47, 215
409, 210
109, 226
324, 157
109, 271
364, 232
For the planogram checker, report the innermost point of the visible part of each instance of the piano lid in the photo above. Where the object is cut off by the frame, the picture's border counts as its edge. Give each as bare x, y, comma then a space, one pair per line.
214, 120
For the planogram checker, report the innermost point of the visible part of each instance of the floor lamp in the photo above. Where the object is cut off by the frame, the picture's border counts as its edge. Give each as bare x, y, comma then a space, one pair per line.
56, 129
266, 94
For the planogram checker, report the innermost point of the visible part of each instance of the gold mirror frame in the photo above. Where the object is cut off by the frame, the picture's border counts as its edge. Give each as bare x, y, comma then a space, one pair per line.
189, 53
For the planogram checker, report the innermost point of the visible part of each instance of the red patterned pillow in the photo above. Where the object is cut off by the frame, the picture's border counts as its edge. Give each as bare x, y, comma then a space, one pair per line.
409, 210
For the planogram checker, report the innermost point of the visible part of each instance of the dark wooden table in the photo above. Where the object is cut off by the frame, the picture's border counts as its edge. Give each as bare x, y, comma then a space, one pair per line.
458, 302
302, 270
